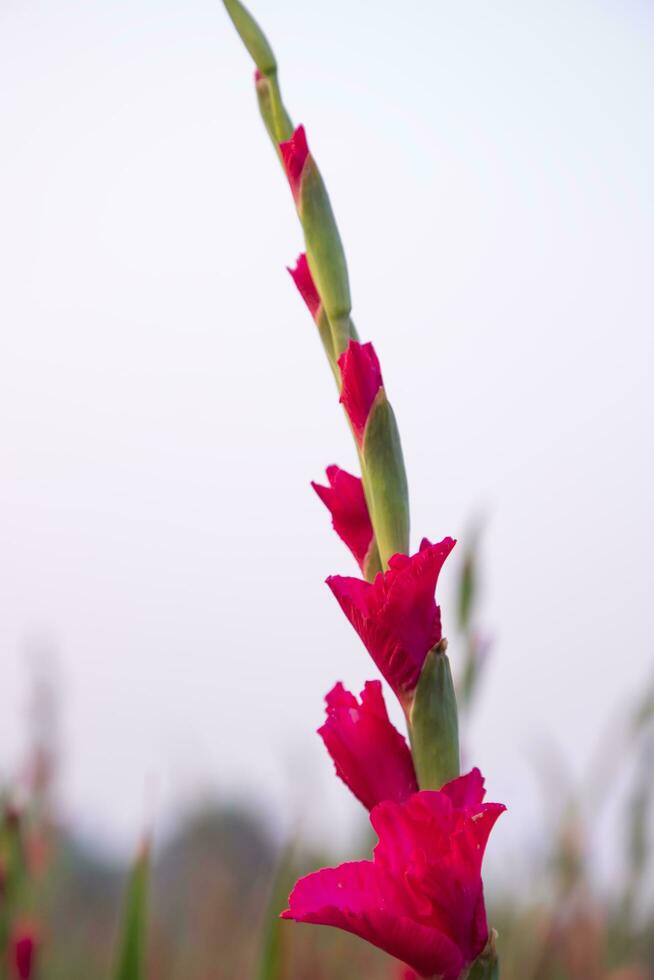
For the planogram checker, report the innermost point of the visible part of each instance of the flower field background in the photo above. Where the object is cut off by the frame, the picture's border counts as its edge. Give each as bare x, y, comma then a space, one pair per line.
218, 882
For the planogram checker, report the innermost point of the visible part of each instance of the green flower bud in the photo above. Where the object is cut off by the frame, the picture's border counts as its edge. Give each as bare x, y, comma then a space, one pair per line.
252, 37
324, 247
433, 723
323, 242
385, 479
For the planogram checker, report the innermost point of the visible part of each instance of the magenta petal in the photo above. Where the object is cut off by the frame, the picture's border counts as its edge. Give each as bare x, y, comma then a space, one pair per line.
421, 897
466, 791
355, 898
396, 616
369, 754
294, 154
303, 279
361, 380
345, 499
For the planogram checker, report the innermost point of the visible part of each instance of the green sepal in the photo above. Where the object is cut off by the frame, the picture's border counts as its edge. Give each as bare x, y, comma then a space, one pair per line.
323, 245
433, 722
325, 332
130, 962
252, 36
385, 480
486, 966
372, 562
264, 99
343, 331
275, 117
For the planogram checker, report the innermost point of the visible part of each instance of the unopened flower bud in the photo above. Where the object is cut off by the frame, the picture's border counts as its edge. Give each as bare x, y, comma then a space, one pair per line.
375, 429
433, 722
324, 248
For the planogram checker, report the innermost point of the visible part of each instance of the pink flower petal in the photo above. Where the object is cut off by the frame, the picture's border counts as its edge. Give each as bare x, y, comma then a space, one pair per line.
370, 755
421, 897
361, 380
294, 157
345, 499
303, 279
355, 898
396, 616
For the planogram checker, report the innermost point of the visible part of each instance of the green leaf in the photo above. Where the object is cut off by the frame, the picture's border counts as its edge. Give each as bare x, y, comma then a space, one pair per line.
433, 723
130, 964
385, 480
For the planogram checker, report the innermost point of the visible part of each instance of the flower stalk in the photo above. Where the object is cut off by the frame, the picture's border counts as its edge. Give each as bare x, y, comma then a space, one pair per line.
421, 897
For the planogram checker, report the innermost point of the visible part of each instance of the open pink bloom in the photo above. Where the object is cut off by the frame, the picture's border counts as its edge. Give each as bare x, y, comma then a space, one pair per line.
361, 380
421, 898
303, 279
370, 755
345, 499
23, 951
295, 153
396, 616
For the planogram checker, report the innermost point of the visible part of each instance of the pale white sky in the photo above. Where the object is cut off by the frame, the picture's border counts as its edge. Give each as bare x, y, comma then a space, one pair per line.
164, 401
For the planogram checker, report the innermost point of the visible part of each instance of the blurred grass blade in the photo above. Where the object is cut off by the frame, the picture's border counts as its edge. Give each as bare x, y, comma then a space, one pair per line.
130, 963
272, 956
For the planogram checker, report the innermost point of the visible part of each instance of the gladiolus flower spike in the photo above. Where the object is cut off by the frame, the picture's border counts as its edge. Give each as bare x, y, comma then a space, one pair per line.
421, 897
396, 616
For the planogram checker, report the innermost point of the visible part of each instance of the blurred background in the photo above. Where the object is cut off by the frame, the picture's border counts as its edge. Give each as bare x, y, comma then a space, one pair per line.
166, 635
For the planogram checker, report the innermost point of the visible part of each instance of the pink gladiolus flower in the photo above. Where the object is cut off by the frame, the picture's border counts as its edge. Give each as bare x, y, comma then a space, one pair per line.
421, 897
23, 951
345, 499
396, 616
303, 279
370, 755
294, 156
361, 380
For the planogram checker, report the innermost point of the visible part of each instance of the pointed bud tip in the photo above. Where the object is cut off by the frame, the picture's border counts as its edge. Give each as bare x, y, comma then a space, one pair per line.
362, 379
301, 276
294, 153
